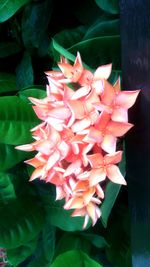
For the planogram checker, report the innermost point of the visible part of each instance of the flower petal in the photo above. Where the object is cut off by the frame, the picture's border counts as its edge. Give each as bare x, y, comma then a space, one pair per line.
109, 143
113, 158
118, 128
97, 176
103, 72
119, 114
114, 174
74, 203
52, 160
81, 125
72, 167
108, 95
83, 91
126, 99
96, 160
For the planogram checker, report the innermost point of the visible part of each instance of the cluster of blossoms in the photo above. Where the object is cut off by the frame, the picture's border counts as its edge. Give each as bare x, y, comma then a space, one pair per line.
82, 117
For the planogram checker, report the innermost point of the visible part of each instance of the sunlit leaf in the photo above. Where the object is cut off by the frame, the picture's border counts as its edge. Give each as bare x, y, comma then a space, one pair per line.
74, 258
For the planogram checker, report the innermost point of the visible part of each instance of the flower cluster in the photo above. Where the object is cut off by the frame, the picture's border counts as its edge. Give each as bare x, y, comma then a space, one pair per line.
82, 117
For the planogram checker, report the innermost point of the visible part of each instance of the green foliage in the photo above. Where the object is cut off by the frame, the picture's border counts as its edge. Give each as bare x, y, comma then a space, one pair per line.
9, 48
7, 82
7, 191
9, 7
24, 72
21, 221
19, 254
74, 258
17, 118
110, 6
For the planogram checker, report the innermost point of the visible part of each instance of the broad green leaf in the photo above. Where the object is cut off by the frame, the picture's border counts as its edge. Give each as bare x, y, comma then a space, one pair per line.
61, 51
9, 7
118, 236
111, 193
100, 50
74, 258
44, 252
7, 82
71, 241
11, 156
21, 221
24, 72
18, 255
69, 37
7, 191
33, 92
110, 6
16, 119
35, 22
61, 218
8, 49
102, 27
96, 240
87, 12
115, 74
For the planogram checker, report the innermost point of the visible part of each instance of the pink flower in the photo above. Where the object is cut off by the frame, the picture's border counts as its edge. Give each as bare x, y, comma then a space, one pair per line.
76, 140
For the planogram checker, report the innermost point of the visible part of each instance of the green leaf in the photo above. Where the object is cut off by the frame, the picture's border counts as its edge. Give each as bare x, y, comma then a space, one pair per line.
103, 27
72, 241
7, 191
33, 92
11, 156
96, 240
35, 22
24, 72
69, 37
61, 218
7, 82
118, 236
8, 49
18, 255
100, 50
111, 193
110, 6
21, 221
74, 258
87, 12
9, 7
16, 120
44, 253
61, 51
